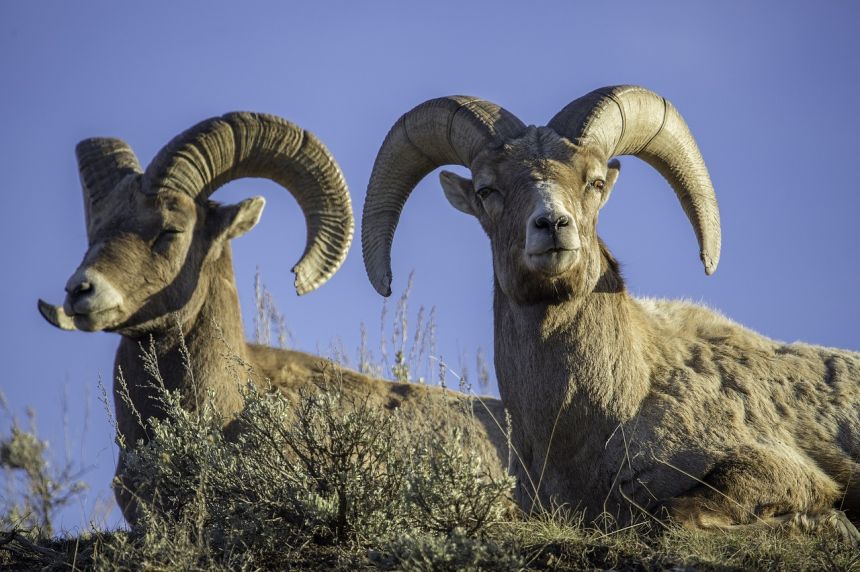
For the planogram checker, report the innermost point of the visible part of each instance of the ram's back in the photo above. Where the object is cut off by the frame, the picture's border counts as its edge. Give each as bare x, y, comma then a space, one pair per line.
480, 420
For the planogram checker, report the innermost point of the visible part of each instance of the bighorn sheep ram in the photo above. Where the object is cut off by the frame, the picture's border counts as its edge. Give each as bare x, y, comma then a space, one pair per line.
159, 252
621, 405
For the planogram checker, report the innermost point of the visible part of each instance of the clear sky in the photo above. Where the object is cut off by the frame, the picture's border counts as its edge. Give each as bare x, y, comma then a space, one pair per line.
769, 89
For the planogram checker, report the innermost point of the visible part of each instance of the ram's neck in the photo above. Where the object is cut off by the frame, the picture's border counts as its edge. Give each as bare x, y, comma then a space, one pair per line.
572, 370
216, 353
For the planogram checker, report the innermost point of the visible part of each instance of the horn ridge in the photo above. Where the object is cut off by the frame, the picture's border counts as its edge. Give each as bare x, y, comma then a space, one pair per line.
246, 144
102, 163
450, 130
632, 120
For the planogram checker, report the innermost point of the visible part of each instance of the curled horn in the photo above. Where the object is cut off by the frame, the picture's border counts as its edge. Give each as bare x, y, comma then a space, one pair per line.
444, 131
630, 120
102, 164
221, 149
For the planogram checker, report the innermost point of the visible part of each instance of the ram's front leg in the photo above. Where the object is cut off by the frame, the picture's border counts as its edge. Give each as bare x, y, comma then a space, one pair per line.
757, 486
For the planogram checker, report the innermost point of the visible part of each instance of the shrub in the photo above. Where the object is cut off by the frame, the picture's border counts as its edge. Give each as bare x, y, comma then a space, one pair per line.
33, 489
452, 490
453, 552
326, 471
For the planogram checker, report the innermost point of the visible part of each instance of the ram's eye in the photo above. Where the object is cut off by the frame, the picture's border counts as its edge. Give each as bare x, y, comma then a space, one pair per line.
485, 192
598, 184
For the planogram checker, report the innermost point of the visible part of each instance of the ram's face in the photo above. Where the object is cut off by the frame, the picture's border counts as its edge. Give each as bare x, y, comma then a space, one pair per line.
148, 258
138, 261
537, 197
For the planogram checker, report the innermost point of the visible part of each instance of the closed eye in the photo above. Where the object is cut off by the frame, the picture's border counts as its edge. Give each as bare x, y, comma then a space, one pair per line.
485, 192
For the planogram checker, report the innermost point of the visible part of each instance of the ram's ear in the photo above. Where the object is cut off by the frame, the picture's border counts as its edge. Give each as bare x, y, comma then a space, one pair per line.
613, 169
459, 192
235, 220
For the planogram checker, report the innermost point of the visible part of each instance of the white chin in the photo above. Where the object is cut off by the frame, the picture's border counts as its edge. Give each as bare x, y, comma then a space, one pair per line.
553, 263
87, 324
97, 321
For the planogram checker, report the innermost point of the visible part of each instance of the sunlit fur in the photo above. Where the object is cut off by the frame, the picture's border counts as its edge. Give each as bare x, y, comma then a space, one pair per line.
633, 407
165, 277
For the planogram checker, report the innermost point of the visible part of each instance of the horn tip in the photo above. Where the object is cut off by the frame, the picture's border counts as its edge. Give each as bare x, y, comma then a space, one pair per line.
56, 316
386, 291
302, 287
44, 308
305, 281
383, 285
710, 264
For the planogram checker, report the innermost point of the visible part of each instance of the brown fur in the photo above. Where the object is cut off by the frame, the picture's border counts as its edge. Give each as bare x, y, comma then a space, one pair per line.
167, 257
627, 406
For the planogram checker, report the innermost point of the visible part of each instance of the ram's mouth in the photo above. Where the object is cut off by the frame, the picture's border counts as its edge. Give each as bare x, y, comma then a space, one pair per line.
553, 250
88, 322
98, 320
553, 261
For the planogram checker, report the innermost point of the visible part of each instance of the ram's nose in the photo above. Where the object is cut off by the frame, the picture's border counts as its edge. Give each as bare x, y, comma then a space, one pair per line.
551, 229
88, 291
550, 221
78, 287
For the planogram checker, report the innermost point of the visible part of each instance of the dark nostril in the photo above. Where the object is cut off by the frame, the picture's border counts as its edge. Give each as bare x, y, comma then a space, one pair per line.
81, 288
553, 223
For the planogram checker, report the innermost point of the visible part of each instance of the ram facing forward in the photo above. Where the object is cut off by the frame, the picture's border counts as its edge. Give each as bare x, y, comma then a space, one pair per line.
621, 405
159, 255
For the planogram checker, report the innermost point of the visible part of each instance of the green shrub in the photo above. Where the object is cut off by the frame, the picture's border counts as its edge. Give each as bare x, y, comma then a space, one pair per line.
329, 470
33, 490
453, 552
452, 490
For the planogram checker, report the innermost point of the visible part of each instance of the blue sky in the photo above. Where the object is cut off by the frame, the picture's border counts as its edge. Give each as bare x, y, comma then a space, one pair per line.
769, 89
